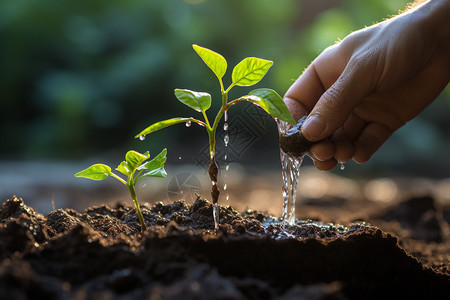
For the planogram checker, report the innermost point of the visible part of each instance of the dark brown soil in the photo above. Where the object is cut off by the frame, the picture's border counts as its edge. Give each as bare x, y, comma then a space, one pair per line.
100, 254
293, 142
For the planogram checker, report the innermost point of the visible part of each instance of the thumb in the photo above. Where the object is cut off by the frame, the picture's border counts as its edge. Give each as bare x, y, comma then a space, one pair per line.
337, 103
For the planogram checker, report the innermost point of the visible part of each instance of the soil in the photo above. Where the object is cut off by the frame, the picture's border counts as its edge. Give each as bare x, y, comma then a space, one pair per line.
293, 142
100, 254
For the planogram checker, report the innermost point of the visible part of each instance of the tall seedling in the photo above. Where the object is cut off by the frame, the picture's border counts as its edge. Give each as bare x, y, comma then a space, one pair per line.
246, 73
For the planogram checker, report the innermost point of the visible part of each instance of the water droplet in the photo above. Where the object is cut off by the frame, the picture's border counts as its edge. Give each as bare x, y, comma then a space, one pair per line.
225, 187
213, 182
188, 124
225, 116
179, 157
225, 126
225, 157
228, 197
342, 166
211, 154
227, 167
226, 139
142, 137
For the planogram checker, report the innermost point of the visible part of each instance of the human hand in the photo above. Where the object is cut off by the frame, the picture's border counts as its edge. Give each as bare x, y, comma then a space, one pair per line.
361, 90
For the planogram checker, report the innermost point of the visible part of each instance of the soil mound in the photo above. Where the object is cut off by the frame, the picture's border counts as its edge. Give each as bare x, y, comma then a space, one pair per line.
100, 254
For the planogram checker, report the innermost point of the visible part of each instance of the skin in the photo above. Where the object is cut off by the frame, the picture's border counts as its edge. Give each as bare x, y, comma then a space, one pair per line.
362, 89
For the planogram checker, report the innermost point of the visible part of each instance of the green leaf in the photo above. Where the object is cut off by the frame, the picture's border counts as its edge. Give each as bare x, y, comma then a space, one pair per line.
216, 62
134, 159
272, 103
123, 168
156, 162
199, 101
160, 172
250, 71
155, 167
162, 124
95, 172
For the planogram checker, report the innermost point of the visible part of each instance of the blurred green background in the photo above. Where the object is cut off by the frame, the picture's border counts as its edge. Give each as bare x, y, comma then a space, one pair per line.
80, 78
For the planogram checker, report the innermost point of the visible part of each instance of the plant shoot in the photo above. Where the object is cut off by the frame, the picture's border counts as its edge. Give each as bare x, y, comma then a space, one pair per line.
134, 168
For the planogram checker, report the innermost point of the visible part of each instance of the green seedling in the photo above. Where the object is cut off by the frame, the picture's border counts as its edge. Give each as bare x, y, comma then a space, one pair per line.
246, 73
135, 169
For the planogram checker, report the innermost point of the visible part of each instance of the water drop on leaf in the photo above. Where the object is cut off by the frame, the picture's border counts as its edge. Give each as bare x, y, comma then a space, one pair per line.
188, 124
142, 137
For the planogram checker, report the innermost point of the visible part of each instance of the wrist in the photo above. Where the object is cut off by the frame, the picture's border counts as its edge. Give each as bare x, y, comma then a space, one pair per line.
433, 17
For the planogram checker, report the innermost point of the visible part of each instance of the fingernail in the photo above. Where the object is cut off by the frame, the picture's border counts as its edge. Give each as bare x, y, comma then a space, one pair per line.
312, 128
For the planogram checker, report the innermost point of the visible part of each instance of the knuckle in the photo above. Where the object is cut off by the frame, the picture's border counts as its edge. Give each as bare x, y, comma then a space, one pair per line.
334, 98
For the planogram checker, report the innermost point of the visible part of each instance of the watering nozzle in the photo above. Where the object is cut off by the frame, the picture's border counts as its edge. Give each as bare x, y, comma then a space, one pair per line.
293, 142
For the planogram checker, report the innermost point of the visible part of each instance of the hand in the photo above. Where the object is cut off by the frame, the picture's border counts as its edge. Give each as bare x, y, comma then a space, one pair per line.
361, 90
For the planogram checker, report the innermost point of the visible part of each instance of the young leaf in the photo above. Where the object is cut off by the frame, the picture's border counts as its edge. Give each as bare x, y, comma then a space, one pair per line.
156, 162
199, 101
160, 172
272, 103
162, 124
134, 159
250, 71
123, 168
155, 167
95, 172
216, 62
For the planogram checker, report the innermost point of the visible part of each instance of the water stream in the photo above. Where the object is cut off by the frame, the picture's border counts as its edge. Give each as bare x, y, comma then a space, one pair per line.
290, 173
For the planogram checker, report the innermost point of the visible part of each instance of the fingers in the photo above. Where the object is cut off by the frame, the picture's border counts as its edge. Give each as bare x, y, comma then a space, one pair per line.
325, 165
303, 94
336, 103
370, 140
329, 152
296, 108
322, 151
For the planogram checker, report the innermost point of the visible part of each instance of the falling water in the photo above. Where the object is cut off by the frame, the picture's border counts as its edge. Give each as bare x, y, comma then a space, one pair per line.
290, 173
216, 215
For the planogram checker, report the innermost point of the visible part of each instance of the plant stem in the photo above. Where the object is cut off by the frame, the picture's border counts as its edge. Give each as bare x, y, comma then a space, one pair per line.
213, 169
130, 186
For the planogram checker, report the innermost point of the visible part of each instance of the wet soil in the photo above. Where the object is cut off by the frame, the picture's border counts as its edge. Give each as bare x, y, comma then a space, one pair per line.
100, 254
293, 142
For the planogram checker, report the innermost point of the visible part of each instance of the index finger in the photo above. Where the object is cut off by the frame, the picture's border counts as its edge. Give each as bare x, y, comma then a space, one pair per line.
304, 93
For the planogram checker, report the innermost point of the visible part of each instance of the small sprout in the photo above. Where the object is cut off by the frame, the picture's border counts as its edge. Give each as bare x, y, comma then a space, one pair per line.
134, 168
246, 73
